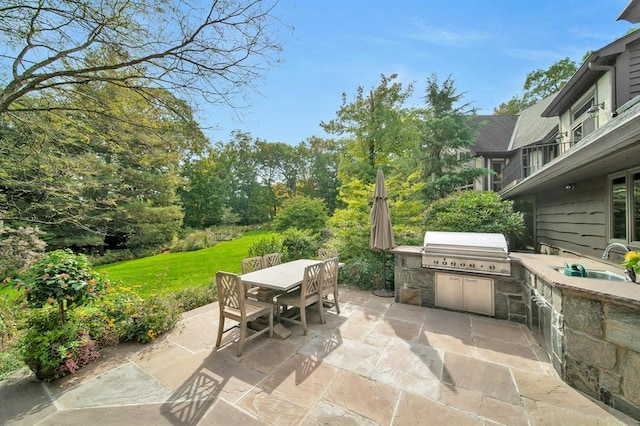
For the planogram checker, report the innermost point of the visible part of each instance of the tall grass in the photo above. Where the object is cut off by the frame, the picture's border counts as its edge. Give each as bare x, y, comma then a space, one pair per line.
164, 273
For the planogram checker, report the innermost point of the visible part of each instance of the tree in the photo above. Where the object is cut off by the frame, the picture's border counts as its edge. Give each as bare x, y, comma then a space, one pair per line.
205, 192
247, 196
281, 166
445, 139
538, 85
206, 49
374, 123
112, 180
302, 213
320, 179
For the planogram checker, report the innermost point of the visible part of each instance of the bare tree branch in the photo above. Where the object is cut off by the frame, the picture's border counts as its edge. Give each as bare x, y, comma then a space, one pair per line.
213, 53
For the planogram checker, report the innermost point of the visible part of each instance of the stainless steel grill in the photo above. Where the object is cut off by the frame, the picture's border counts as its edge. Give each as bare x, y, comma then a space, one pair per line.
485, 253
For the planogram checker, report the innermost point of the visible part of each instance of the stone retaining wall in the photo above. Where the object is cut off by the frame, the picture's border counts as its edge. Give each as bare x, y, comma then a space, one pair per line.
595, 344
602, 356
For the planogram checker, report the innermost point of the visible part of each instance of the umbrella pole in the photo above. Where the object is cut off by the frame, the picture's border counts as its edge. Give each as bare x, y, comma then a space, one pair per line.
383, 292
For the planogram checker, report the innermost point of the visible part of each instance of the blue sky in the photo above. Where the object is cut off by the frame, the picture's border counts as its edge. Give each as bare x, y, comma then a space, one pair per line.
487, 47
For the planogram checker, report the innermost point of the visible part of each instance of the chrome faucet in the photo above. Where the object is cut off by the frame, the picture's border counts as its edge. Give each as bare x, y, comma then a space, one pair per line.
605, 255
629, 273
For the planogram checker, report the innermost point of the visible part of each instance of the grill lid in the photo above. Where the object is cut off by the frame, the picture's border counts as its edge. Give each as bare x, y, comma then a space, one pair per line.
478, 243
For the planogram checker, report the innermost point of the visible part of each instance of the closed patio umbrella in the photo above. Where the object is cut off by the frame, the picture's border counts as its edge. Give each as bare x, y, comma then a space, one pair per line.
381, 238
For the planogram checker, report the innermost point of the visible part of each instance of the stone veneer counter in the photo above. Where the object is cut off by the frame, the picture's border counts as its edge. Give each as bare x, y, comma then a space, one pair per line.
616, 291
592, 331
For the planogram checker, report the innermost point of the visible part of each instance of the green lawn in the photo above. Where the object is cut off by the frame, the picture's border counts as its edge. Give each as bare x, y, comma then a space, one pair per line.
169, 272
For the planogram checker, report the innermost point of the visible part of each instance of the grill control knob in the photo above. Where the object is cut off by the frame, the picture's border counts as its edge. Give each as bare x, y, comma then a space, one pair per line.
472, 265
462, 265
453, 263
444, 262
492, 267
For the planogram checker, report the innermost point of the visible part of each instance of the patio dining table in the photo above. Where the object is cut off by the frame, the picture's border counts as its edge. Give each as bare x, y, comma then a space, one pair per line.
278, 279
281, 278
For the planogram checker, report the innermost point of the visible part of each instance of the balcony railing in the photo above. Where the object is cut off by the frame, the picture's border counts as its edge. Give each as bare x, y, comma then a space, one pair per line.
530, 159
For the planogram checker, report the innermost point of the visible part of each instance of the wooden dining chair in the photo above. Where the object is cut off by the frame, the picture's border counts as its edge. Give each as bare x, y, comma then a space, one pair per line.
235, 306
330, 282
306, 295
325, 253
271, 259
251, 264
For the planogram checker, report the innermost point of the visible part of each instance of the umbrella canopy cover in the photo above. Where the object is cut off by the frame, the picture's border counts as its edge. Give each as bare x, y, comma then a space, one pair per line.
381, 233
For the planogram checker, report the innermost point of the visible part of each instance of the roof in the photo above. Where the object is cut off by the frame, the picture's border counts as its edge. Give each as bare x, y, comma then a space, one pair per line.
532, 128
610, 148
494, 132
589, 72
631, 12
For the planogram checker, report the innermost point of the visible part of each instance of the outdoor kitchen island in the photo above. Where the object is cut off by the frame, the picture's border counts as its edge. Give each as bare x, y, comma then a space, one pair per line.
416, 285
590, 328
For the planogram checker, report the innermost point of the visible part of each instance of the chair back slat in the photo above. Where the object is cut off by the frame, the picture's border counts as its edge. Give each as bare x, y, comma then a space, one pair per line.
230, 291
251, 264
312, 279
271, 259
330, 279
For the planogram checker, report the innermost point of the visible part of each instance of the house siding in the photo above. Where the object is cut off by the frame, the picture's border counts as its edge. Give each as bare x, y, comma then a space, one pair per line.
573, 220
634, 70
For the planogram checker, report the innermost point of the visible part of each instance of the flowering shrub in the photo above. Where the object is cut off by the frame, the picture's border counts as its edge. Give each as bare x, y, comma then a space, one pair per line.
632, 262
63, 278
193, 297
142, 320
52, 349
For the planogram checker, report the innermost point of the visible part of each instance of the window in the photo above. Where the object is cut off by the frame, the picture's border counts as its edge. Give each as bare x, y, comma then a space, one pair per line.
582, 109
624, 217
495, 180
582, 123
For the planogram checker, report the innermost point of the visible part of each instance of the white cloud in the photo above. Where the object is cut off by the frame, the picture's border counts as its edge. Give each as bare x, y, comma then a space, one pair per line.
448, 37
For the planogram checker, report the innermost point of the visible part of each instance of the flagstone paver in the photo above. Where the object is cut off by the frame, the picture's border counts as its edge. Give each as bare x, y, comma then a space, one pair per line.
375, 363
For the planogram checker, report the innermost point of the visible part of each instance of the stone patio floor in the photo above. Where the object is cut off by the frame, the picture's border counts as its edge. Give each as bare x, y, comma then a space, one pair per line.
376, 363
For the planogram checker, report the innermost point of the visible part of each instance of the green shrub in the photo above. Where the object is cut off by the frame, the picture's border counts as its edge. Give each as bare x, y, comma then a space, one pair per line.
195, 240
10, 361
8, 321
93, 319
473, 211
299, 244
112, 256
137, 319
265, 245
52, 349
63, 278
301, 213
365, 271
193, 297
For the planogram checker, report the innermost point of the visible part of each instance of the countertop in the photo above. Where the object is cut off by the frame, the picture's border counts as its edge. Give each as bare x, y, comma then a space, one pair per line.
617, 291
542, 265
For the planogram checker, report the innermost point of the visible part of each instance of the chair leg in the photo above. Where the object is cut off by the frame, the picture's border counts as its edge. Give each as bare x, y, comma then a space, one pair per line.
271, 322
303, 319
335, 300
243, 336
220, 331
321, 310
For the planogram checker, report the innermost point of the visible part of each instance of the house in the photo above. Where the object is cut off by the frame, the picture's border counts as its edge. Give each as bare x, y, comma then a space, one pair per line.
491, 148
514, 146
578, 166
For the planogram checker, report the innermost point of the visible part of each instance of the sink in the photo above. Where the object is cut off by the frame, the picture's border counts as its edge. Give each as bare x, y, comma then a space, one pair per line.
596, 274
